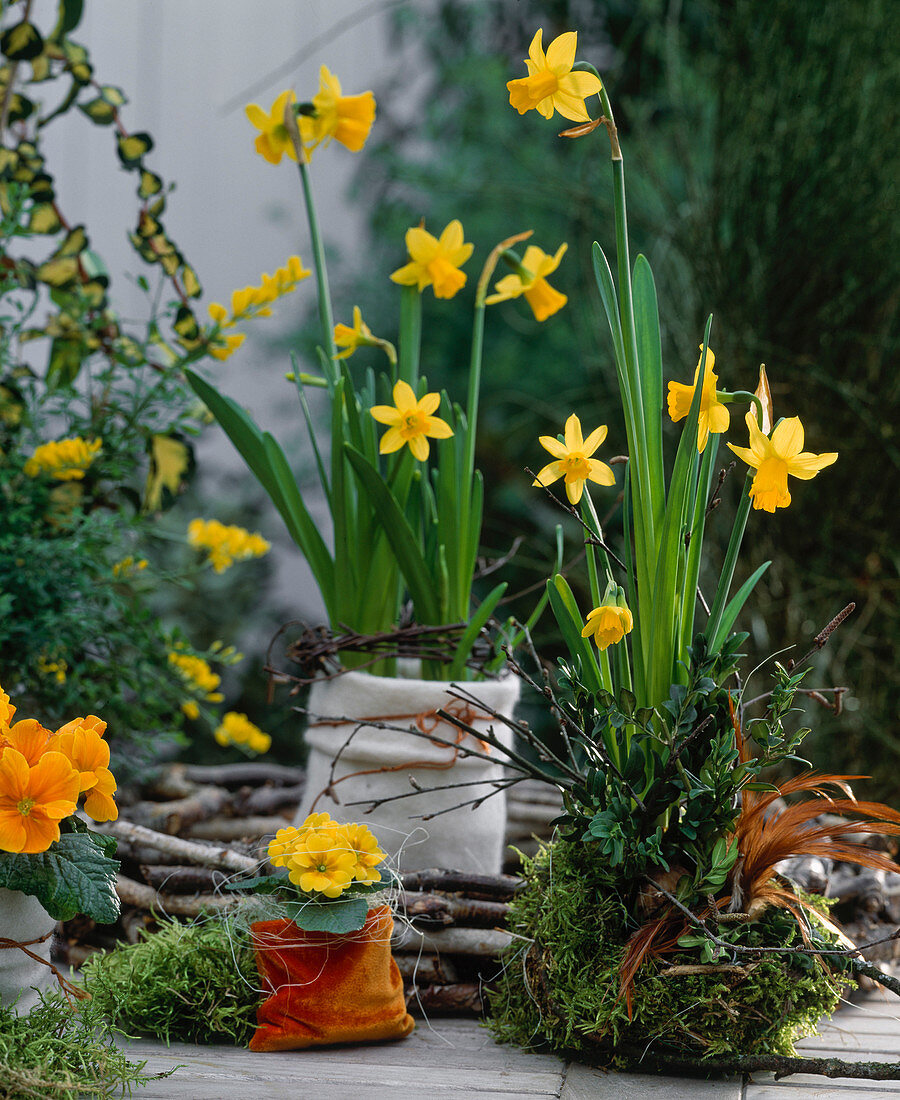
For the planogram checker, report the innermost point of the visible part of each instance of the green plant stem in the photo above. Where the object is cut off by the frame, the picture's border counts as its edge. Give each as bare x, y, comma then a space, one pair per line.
326, 319
410, 335
730, 563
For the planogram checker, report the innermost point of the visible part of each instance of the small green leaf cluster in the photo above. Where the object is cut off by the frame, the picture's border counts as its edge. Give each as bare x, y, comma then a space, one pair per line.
660, 787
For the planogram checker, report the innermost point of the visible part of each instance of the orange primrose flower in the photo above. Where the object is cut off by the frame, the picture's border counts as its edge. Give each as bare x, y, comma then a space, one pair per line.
33, 800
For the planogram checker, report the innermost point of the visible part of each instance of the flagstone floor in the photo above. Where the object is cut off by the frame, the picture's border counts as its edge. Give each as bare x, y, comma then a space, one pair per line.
448, 1058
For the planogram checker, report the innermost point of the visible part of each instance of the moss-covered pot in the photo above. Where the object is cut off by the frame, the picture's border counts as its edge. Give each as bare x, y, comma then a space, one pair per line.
561, 986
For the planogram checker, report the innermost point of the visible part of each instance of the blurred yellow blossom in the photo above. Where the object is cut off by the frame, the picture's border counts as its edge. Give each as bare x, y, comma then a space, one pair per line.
359, 335
197, 674
530, 279
250, 302
273, 142
777, 457
572, 460
237, 729
551, 84
714, 416
64, 459
435, 261
128, 566
56, 669
347, 119
410, 421
226, 544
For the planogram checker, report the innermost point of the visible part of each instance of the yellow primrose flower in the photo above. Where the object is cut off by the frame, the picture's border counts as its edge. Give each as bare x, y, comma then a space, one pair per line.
410, 422
551, 84
226, 545
572, 460
322, 863
347, 119
531, 280
608, 624
775, 458
435, 261
368, 854
237, 729
714, 416
273, 142
64, 459
7, 710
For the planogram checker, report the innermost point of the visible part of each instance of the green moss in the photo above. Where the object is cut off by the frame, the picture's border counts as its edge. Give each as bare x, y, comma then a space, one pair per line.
192, 983
562, 989
63, 1051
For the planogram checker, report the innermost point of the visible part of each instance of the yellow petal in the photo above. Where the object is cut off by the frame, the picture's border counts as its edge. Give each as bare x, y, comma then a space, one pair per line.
536, 49
574, 489
561, 53
807, 465
437, 428
419, 447
552, 444
385, 414
429, 403
580, 84
391, 441
409, 275
719, 418
404, 397
746, 455
594, 440
574, 441
571, 107
421, 245
550, 473
510, 286
452, 237
544, 299
787, 439
600, 473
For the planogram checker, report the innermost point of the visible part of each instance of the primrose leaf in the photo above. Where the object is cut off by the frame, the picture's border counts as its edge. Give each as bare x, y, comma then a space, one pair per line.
338, 916
75, 875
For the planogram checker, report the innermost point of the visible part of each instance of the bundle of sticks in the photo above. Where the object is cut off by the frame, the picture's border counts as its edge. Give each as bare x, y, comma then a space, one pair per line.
194, 829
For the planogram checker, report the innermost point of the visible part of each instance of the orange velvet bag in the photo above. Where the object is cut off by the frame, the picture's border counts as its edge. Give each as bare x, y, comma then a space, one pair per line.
327, 988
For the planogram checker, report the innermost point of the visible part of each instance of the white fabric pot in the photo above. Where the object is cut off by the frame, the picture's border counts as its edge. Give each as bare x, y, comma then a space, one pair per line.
23, 918
466, 839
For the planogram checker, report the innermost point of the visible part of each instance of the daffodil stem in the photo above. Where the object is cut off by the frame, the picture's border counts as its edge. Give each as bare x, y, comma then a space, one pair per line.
326, 319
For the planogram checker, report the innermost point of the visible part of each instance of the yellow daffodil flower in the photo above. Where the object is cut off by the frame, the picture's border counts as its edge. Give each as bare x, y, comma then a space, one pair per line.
608, 624
572, 460
63, 459
435, 261
775, 458
273, 142
714, 416
360, 336
347, 119
531, 280
551, 85
410, 421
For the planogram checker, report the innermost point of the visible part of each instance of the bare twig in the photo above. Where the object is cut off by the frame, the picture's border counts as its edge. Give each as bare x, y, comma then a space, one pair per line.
822, 637
201, 854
